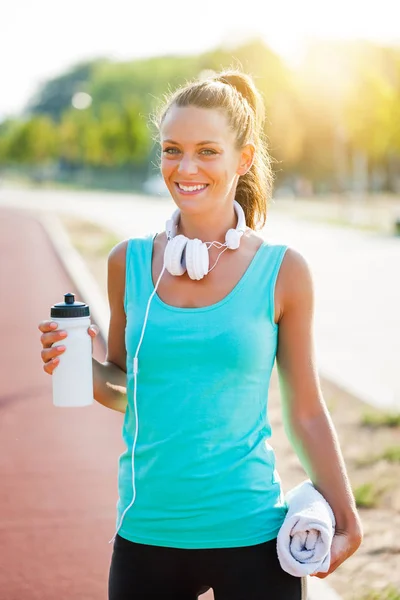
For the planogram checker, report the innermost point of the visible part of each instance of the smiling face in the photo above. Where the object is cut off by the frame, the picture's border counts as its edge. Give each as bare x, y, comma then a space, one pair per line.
200, 163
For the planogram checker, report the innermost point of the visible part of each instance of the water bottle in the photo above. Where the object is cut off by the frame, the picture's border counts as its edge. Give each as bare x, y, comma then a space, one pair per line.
73, 377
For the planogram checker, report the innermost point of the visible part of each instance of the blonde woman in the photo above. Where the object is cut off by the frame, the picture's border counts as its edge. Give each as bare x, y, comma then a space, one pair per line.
194, 332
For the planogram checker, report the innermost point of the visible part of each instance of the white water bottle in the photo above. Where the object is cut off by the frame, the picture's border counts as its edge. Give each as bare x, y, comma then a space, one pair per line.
73, 376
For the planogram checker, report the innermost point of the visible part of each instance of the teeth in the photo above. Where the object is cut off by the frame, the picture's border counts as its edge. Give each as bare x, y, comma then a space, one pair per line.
191, 188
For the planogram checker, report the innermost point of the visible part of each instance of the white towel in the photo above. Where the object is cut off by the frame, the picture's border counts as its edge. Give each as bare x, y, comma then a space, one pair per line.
305, 538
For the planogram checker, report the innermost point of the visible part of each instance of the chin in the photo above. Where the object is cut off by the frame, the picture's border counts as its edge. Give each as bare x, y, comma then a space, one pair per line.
193, 206
190, 204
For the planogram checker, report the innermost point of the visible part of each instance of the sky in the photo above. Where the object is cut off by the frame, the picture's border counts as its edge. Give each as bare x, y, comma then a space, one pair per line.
41, 39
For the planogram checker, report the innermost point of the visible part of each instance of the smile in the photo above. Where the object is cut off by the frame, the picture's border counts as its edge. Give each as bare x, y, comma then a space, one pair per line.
191, 189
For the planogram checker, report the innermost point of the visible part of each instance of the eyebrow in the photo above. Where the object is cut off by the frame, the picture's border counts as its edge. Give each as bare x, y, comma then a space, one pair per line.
198, 144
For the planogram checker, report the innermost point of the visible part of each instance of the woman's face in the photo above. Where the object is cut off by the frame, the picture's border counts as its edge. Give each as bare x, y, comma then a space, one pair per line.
199, 162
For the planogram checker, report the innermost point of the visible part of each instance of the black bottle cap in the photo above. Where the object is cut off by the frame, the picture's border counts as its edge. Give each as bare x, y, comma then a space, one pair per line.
69, 308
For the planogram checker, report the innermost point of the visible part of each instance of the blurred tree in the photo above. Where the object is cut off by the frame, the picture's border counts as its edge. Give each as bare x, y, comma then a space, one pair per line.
7, 128
124, 137
55, 95
140, 82
340, 107
372, 108
32, 141
72, 132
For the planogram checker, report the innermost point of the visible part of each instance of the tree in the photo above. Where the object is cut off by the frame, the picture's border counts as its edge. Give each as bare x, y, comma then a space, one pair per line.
33, 141
54, 97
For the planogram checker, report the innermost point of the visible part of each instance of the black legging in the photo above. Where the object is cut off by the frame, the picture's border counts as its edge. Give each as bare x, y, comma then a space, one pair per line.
144, 572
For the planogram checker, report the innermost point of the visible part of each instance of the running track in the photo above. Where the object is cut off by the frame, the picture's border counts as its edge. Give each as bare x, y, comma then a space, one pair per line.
58, 467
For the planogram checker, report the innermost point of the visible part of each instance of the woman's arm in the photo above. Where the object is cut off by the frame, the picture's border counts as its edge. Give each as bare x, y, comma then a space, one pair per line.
109, 377
307, 422
109, 385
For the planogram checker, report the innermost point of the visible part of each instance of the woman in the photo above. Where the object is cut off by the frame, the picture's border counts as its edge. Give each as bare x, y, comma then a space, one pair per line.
194, 332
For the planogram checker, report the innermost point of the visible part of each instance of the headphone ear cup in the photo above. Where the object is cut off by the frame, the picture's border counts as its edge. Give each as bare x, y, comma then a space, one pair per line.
173, 254
232, 239
197, 259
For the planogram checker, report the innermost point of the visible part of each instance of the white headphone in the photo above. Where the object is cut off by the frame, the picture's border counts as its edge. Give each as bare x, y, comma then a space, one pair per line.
183, 254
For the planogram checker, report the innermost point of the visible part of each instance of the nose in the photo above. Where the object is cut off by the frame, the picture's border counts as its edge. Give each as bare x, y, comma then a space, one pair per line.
187, 166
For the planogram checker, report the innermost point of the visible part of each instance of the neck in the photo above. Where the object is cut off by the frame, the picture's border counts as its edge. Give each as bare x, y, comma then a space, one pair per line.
208, 227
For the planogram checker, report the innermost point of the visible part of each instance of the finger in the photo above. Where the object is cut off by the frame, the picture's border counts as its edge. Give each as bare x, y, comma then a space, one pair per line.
45, 326
48, 339
48, 354
332, 567
321, 575
51, 365
93, 330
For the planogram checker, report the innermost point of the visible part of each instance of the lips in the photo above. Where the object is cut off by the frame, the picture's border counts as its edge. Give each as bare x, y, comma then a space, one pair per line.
194, 187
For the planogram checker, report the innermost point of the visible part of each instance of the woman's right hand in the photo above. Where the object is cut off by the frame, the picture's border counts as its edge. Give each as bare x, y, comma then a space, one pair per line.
51, 334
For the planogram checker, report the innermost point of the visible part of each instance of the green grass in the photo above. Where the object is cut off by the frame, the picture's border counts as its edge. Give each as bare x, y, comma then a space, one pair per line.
392, 454
368, 227
331, 404
108, 242
102, 248
388, 593
367, 495
380, 419
368, 460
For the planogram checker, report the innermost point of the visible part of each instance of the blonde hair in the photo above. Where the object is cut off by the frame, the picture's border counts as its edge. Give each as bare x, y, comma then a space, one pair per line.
236, 94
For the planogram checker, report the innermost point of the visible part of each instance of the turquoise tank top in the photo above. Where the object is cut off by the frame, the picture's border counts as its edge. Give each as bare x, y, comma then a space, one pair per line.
204, 472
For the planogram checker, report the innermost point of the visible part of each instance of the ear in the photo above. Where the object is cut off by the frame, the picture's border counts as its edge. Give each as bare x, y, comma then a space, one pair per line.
246, 159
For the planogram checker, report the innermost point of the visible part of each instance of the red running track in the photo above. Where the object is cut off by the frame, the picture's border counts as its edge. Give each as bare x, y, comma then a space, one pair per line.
58, 466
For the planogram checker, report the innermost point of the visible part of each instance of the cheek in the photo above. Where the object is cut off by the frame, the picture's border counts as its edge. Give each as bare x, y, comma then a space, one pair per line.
167, 167
217, 171
225, 170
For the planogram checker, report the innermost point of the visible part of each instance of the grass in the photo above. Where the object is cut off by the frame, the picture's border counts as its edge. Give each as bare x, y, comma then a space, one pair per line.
391, 454
331, 404
388, 593
367, 495
108, 243
368, 460
380, 419
368, 227
101, 248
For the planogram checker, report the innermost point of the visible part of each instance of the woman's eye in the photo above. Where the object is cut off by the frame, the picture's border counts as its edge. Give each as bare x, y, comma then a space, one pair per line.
170, 150
204, 151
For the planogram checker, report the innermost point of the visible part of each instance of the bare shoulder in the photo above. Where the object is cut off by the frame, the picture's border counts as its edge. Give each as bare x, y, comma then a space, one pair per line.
294, 265
116, 273
117, 255
252, 241
294, 285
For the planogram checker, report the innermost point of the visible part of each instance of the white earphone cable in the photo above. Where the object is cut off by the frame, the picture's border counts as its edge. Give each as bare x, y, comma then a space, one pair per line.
135, 372
218, 257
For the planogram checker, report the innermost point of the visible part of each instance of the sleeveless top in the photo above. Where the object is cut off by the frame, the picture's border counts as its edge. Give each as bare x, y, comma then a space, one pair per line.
205, 474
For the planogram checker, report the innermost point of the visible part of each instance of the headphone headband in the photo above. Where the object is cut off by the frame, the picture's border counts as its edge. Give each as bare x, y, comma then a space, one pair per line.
171, 225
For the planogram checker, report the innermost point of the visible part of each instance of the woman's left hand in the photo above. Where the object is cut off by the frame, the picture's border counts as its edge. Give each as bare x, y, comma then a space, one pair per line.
344, 544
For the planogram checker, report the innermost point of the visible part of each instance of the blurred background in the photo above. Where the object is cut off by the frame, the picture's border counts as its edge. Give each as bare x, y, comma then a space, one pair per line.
79, 173
78, 86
